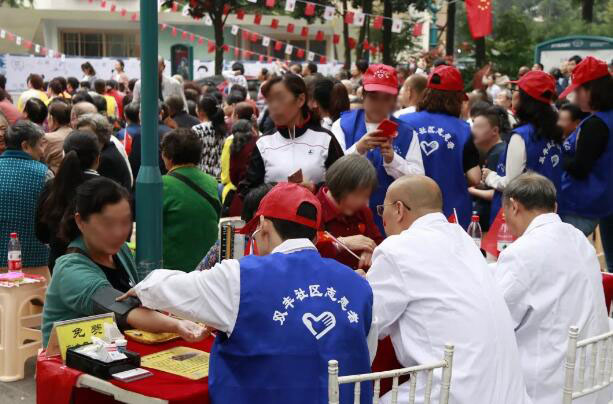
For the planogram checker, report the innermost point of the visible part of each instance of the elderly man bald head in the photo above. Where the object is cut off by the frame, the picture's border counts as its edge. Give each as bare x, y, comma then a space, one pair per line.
407, 199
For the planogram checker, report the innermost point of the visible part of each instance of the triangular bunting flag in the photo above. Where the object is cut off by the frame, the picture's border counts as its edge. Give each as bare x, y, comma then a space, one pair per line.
201, 41
234, 30
175, 7
290, 5
237, 53
2, 34
352, 43
270, 3
319, 36
304, 32
261, 58
309, 9
192, 37
336, 38
300, 53
123, 12
184, 35
37, 48
245, 35
254, 37
288, 49
134, 17
278, 45
240, 14
329, 13
113, 8
18, 40
207, 20
349, 15
311, 56
378, 23
257, 19
322, 59
226, 9
290, 28
211, 47
274, 24
265, 41
225, 48
358, 19
397, 25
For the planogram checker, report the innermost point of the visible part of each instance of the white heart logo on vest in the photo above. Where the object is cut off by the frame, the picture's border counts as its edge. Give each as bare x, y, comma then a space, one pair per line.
325, 319
430, 147
555, 159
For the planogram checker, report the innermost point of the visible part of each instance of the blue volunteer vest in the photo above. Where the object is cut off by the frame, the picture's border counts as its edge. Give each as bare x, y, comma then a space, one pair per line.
591, 197
296, 312
354, 127
442, 139
542, 156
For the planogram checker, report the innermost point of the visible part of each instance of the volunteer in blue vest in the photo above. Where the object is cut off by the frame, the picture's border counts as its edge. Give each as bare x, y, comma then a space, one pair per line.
356, 132
450, 156
535, 143
586, 197
280, 314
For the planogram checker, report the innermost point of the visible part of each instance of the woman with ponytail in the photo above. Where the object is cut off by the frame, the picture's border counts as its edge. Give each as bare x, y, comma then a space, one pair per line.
212, 132
82, 156
329, 98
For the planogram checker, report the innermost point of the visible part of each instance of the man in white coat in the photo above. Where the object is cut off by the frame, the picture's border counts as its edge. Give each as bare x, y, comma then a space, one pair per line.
550, 278
432, 286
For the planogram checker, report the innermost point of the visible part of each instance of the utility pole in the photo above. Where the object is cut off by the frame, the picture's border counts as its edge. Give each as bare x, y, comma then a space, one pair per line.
450, 37
149, 181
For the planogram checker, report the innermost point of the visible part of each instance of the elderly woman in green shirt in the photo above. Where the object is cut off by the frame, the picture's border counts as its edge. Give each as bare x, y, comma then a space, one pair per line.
99, 266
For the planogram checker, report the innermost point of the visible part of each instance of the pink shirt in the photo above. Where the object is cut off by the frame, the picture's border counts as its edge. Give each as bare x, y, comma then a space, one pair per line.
10, 110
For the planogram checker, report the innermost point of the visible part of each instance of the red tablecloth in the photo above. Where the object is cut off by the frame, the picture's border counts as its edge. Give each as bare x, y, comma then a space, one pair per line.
55, 382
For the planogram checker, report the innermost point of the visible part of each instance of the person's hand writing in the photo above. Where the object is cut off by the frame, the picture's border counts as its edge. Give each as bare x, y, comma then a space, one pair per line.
369, 141
387, 151
190, 331
358, 243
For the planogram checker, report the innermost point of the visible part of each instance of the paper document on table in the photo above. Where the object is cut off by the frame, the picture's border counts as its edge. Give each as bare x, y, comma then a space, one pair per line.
182, 361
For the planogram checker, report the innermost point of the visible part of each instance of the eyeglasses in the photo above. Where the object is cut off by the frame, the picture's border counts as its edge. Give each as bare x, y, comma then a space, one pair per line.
381, 208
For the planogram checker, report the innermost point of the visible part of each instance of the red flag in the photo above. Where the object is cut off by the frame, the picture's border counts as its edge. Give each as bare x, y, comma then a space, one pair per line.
236, 53
27, 44
304, 32
103, 4
257, 19
274, 24
290, 28
278, 45
300, 53
184, 35
123, 12
10, 36
174, 31
245, 35
309, 10
417, 29
175, 6
479, 15
336, 38
211, 47
322, 59
43, 52
365, 45
113, 8
225, 48
254, 37
489, 243
163, 27
349, 17
201, 41
247, 54
352, 43
134, 17
319, 36
240, 14
226, 9
261, 58
378, 24
270, 3
192, 37
452, 218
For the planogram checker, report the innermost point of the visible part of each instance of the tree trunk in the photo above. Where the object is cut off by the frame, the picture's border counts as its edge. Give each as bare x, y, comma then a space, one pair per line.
218, 25
387, 32
346, 38
364, 30
587, 10
450, 38
480, 51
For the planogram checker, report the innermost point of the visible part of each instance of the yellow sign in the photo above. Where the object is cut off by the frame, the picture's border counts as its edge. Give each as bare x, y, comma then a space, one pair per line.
183, 361
66, 334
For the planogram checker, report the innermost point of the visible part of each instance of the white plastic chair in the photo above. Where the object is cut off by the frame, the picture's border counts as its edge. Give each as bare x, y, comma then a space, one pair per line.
334, 381
600, 365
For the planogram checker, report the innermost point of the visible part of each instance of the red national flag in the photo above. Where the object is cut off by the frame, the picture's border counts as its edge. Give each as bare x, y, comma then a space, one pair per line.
274, 24
192, 37
319, 36
175, 6
479, 15
300, 53
417, 29
212, 47
254, 37
174, 31
378, 23
240, 14
257, 19
245, 35
489, 243
226, 9
225, 48
352, 43
322, 59
201, 41
452, 218
349, 17
113, 8
290, 28
309, 10
270, 3
184, 35
134, 17
278, 45
123, 12
336, 38
304, 32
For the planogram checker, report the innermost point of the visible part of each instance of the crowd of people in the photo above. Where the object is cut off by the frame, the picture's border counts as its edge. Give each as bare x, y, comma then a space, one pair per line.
345, 217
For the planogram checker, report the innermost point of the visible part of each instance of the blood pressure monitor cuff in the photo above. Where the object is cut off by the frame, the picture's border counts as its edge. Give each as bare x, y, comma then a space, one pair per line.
104, 302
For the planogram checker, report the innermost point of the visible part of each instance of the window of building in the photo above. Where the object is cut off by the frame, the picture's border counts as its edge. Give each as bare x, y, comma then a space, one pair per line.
100, 44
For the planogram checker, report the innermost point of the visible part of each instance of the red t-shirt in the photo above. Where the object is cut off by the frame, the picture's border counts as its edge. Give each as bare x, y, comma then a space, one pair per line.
340, 225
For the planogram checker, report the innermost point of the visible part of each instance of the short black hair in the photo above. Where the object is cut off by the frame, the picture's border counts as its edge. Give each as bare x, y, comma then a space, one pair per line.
312, 67
497, 116
100, 103
73, 81
56, 86
575, 58
291, 230
601, 93
3, 81
60, 111
132, 112
362, 65
533, 191
120, 63
575, 112
252, 200
182, 146
238, 66
36, 110
235, 97
86, 84
82, 96
36, 81
23, 131
100, 86
112, 84
175, 104
478, 108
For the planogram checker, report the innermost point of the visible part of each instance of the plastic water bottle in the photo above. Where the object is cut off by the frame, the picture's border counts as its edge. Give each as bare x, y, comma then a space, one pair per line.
14, 253
505, 238
474, 230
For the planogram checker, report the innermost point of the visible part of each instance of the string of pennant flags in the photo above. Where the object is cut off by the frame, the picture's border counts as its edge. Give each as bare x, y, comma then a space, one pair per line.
29, 45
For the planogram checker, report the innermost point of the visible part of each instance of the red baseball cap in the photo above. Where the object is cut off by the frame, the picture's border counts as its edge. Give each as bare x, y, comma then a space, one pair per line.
381, 78
446, 78
282, 202
589, 69
536, 83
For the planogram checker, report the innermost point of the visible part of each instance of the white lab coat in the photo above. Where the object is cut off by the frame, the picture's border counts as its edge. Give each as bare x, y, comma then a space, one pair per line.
551, 280
432, 286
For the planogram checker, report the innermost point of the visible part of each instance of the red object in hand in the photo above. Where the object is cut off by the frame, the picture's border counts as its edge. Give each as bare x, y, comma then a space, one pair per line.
388, 128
